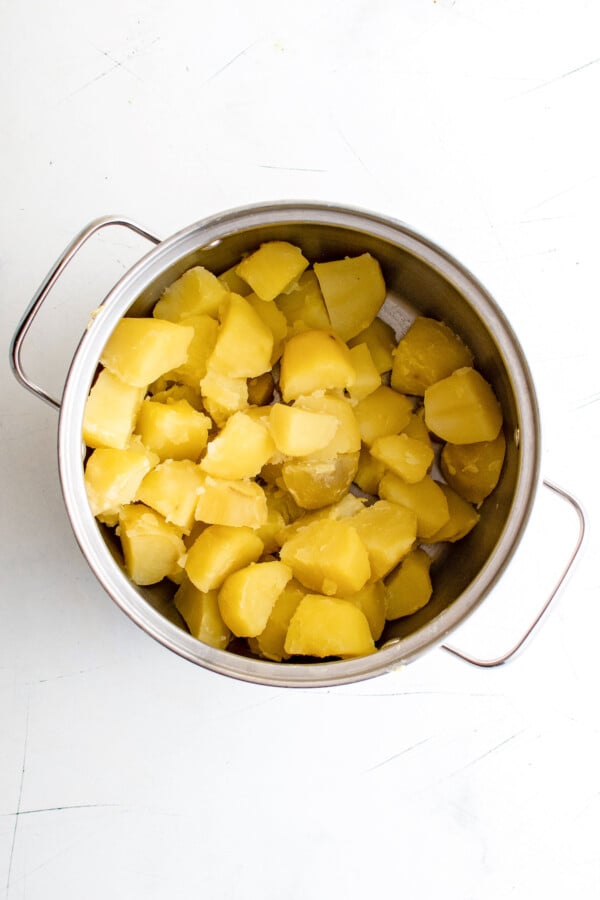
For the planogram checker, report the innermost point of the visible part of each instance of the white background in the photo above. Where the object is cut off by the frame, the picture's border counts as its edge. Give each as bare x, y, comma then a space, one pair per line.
126, 772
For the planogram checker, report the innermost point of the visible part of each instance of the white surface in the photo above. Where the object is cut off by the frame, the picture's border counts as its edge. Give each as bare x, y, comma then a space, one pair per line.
126, 772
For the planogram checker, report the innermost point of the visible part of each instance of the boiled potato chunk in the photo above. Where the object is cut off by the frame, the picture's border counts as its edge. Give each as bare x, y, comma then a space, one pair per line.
225, 502
428, 352
347, 435
274, 319
473, 470
425, 498
198, 292
328, 556
232, 282
417, 428
408, 588
380, 338
461, 520
369, 472
112, 477
316, 482
173, 430
244, 342
371, 601
140, 350
201, 613
383, 412
218, 551
342, 509
272, 269
247, 597
110, 412
314, 361
174, 392
367, 378
223, 395
239, 450
201, 346
388, 531
270, 643
151, 546
325, 626
407, 457
170, 488
463, 408
298, 432
354, 290
304, 307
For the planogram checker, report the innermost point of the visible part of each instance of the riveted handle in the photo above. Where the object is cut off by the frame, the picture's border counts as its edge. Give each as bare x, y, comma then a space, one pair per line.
500, 660
16, 347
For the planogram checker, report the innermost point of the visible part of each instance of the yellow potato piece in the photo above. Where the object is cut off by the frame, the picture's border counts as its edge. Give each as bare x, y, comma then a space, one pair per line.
314, 482
369, 472
425, 498
388, 531
112, 477
463, 517
196, 293
244, 343
408, 588
298, 432
473, 470
463, 408
371, 601
140, 350
383, 412
201, 613
222, 395
110, 412
274, 319
347, 435
225, 502
218, 551
428, 352
354, 290
304, 307
232, 282
367, 378
201, 346
151, 546
407, 457
328, 556
270, 643
380, 338
272, 269
325, 626
314, 361
239, 450
170, 488
173, 430
247, 597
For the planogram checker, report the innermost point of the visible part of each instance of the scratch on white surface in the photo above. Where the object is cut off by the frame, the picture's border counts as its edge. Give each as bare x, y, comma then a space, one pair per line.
545, 84
65, 675
17, 813
228, 64
477, 759
290, 168
352, 150
116, 64
402, 752
573, 187
66, 808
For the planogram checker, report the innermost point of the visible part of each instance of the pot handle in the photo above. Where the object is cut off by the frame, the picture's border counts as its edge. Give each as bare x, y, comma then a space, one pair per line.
56, 271
500, 660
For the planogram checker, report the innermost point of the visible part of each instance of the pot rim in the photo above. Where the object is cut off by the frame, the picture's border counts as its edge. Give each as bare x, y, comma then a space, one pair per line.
203, 234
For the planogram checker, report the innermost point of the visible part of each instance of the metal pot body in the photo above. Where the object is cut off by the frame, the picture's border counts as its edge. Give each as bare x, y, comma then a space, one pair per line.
421, 279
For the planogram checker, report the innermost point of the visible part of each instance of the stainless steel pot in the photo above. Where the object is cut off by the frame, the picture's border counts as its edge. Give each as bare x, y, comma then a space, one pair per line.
421, 278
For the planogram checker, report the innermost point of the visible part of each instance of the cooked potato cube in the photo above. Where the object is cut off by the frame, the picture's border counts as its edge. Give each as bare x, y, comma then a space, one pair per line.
353, 290
463, 408
222, 396
244, 343
314, 482
380, 338
428, 352
473, 470
342, 509
274, 319
170, 488
329, 557
112, 477
201, 346
173, 430
371, 601
218, 551
198, 292
201, 613
368, 378
388, 531
151, 546
110, 412
314, 361
461, 520
425, 498
140, 350
369, 472
247, 597
272, 269
298, 432
239, 450
304, 307
382, 412
407, 457
408, 588
270, 643
225, 502
324, 626
232, 281
347, 435
162, 393
417, 428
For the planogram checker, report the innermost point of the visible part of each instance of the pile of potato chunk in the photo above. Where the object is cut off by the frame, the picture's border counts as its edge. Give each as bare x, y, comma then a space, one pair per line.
266, 443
